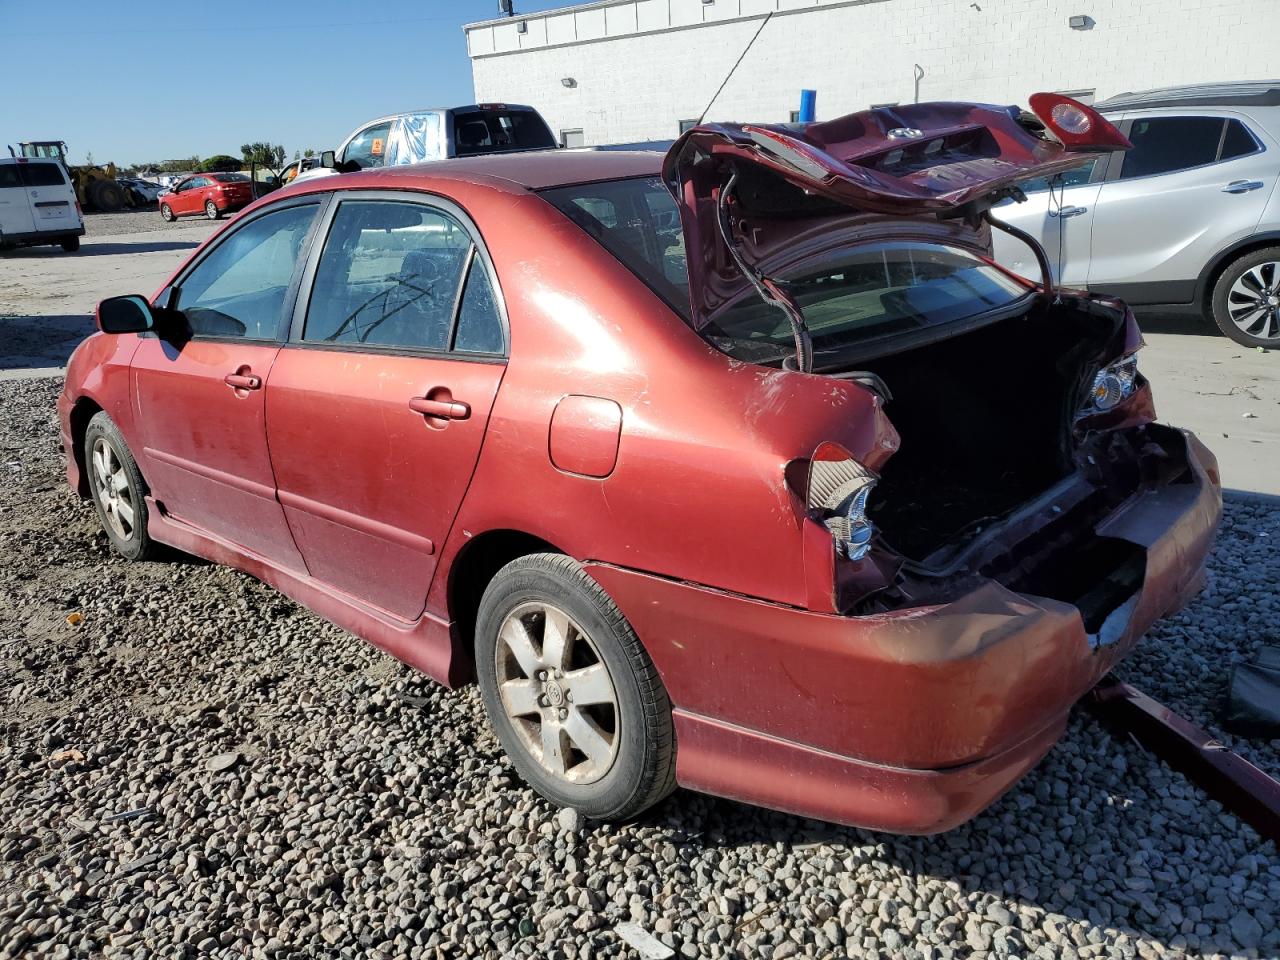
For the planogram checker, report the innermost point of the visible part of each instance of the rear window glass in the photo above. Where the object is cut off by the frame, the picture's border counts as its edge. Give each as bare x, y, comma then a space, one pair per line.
867, 292
639, 223
231, 177
9, 175
1237, 142
490, 131
41, 174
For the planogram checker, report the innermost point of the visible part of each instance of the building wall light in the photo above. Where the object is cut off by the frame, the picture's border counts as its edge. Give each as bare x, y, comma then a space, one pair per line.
1080, 22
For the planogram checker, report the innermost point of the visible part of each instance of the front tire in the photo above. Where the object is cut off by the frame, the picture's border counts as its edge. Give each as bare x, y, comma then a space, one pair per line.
571, 692
118, 489
1246, 299
166, 213
211, 210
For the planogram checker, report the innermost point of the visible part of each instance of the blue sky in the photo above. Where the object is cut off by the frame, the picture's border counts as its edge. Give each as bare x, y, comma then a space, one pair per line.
135, 83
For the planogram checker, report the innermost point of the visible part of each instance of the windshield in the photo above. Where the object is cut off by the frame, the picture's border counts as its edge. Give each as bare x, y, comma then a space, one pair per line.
489, 131
868, 292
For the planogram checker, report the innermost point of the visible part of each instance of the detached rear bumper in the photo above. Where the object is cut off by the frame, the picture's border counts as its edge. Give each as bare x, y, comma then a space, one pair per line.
911, 721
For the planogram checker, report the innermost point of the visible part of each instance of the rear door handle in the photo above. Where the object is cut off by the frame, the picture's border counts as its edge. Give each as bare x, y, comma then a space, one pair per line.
243, 381
1242, 186
1066, 212
444, 409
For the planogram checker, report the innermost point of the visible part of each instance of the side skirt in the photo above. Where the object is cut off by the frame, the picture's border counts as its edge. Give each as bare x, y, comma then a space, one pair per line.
429, 644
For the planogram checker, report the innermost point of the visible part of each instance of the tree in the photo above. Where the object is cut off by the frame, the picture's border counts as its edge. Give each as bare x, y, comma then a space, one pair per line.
308, 152
264, 154
220, 163
88, 158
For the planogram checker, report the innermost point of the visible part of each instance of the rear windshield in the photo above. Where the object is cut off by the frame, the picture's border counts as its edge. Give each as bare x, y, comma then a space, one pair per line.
231, 177
41, 174
491, 131
868, 292
861, 293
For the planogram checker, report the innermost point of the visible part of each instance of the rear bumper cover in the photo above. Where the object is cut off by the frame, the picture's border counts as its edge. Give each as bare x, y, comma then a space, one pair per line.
40, 237
911, 721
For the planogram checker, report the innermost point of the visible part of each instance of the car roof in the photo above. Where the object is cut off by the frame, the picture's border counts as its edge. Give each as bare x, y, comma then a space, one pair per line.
534, 169
1258, 93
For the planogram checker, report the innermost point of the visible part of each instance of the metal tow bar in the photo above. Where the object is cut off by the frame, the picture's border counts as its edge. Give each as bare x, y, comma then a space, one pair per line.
1230, 779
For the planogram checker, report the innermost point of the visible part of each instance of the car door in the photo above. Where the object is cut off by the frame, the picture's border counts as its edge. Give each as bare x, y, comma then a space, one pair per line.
368, 147
377, 406
1058, 212
199, 398
1191, 185
51, 198
15, 207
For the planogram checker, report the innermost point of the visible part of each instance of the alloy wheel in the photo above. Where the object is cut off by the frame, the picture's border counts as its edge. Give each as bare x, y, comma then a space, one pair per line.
1253, 302
557, 692
211, 210
111, 487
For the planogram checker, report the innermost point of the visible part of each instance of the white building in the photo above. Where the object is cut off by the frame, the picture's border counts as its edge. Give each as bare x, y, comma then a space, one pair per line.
628, 70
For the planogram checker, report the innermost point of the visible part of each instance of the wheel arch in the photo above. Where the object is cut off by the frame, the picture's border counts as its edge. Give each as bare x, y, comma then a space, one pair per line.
82, 412
1221, 260
474, 566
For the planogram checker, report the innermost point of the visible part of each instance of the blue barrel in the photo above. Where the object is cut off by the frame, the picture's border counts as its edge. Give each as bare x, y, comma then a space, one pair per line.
808, 105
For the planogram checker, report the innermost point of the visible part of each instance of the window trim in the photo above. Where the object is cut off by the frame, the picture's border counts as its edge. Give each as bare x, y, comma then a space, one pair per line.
302, 302
1126, 126
171, 295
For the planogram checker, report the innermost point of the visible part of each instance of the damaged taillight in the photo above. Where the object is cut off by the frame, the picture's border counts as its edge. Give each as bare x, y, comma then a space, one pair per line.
838, 489
1112, 385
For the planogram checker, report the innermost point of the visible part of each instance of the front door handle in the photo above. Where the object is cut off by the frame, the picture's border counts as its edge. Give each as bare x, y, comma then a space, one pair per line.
444, 409
1242, 186
1066, 212
243, 381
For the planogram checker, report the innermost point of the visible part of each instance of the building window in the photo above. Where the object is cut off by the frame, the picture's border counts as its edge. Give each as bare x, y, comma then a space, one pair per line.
572, 138
1084, 96
687, 125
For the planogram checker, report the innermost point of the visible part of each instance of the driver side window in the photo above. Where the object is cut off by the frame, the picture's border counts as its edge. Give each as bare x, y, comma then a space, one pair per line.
239, 289
368, 148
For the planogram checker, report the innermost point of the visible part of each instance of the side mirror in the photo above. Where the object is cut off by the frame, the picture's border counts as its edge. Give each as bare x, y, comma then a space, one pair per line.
130, 314
328, 160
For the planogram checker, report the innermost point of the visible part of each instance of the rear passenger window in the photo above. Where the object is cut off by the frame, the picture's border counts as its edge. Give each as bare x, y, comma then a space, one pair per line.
479, 326
1238, 141
388, 276
1168, 144
41, 174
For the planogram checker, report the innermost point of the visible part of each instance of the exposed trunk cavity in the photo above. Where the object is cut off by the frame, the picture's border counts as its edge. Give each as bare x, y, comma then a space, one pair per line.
985, 420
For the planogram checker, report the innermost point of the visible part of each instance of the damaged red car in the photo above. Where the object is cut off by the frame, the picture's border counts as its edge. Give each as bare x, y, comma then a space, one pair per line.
743, 468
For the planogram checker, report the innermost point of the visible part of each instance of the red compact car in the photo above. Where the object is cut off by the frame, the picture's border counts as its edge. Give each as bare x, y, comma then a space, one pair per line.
744, 469
211, 194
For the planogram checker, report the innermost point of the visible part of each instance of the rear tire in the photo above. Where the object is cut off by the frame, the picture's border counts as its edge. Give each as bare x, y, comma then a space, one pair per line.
546, 632
1246, 299
71, 244
211, 210
117, 489
166, 213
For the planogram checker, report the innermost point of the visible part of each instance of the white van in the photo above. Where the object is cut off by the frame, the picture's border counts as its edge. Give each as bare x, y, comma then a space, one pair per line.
38, 205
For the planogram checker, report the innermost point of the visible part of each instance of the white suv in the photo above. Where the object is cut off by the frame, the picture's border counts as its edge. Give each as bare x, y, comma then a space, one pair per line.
1186, 221
38, 205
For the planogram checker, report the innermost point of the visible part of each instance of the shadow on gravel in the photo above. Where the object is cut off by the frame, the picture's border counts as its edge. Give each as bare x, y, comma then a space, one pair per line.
92, 249
43, 341
1099, 836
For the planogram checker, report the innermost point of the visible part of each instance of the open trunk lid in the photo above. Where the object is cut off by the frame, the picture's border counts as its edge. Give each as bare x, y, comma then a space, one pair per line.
747, 191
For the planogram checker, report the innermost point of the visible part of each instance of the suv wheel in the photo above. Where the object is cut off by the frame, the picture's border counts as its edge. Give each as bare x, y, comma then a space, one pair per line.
1246, 299
570, 691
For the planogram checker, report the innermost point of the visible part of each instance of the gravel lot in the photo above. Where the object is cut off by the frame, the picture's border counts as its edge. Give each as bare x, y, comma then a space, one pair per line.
202, 768
137, 220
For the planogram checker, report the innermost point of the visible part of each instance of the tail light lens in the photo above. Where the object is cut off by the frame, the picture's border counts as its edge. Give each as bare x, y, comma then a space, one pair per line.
1113, 384
1078, 126
839, 487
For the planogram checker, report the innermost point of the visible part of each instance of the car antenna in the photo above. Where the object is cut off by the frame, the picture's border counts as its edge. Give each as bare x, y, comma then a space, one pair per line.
702, 116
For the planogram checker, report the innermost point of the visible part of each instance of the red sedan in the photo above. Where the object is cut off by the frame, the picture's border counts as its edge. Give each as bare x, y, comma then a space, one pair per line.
747, 470
211, 194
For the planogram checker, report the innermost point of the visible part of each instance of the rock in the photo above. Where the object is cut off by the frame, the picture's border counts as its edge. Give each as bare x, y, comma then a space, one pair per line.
642, 942
569, 819
223, 761
1245, 930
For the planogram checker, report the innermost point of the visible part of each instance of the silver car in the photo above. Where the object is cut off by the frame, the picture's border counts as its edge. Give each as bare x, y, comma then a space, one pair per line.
1186, 221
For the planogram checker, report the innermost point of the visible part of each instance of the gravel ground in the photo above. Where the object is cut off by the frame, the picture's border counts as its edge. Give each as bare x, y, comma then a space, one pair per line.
200, 767
138, 220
